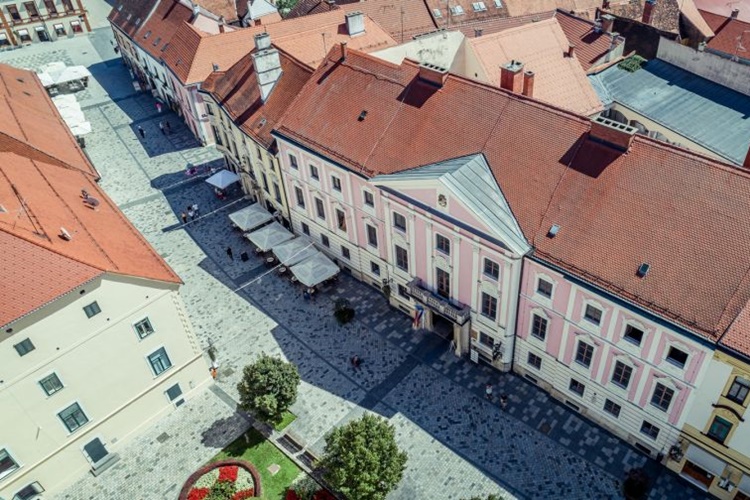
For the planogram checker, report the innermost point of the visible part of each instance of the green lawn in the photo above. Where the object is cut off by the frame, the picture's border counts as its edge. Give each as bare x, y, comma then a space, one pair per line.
262, 454
286, 419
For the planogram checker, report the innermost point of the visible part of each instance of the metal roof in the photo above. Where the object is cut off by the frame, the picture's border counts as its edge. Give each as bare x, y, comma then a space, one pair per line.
705, 112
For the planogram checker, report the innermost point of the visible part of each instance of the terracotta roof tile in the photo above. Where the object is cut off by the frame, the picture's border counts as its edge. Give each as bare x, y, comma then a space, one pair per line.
724, 8
402, 19
590, 45
42, 173
129, 15
541, 46
161, 26
237, 91
607, 203
665, 14
225, 8
492, 25
729, 33
308, 7
461, 11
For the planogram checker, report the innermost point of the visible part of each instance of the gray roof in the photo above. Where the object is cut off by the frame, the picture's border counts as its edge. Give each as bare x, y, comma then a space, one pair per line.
471, 181
705, 112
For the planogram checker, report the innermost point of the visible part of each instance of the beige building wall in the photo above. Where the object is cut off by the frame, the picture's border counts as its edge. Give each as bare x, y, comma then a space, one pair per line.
103, 365
53, 19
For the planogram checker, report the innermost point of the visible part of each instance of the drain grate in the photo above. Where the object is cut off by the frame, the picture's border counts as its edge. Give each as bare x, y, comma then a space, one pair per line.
162, 437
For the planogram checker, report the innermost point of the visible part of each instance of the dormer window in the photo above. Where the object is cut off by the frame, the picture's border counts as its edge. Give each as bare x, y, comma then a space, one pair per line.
457, 10
478, 6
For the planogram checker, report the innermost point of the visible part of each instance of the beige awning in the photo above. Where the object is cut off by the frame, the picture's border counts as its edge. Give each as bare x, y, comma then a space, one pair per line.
293, 251
315, 269
269, 236
251, 217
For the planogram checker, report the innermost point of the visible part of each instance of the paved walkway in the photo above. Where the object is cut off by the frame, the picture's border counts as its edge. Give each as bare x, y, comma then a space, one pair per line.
459, 445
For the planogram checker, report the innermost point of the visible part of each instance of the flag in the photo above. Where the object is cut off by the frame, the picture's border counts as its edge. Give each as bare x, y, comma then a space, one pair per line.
418, 321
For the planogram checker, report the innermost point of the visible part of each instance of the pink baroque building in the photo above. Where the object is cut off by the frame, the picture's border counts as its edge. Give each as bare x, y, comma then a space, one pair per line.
621, 366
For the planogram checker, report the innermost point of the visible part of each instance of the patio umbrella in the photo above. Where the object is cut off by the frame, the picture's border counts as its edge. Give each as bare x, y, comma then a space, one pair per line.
315, 269
269, 236
223, 178
293, 251
250, 217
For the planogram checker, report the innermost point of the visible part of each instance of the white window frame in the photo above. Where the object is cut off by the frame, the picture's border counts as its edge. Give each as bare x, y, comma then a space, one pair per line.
406, 222
544, 277
9, 472
335, 178
367, 235
151, 366
637, 325
80, 407
150, 324
47, 375
365, 205
541, 313
482, 293
668, 346
668, 384
625, 360
485, 260
439, 250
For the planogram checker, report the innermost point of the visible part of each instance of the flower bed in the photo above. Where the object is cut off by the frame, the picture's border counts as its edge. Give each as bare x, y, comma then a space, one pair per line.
224, 480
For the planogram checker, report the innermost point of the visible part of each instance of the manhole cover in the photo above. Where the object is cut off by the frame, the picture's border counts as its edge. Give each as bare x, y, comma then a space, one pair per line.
162, 437
545, 428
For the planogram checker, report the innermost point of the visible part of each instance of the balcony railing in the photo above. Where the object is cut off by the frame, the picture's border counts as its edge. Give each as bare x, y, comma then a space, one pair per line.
43, 17
458, 313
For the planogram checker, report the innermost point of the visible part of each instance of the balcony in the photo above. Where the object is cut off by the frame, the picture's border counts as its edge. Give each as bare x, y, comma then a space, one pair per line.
460, 314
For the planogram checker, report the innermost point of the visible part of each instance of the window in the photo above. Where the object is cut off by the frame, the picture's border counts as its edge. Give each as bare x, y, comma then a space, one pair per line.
576, 387
306, 229
13, 11
534, 360
539, 327
159, 361
443, 244
265, 182
68, 6
24, 347
402, 259
486, 340
259, 155
457, 10
217, 136
491, 269
59, 29
320, 209
372, 236
314, 172
7, 464
443, 283
369, 199
209, 108
584, 354
662, 397
340, 220
175, 392
24, 35
621, 375
92, 310
51, 9
76, 27
544, 288
478, 6
489, 306
51, 384
499, 4
29, 492
345, 253
73, 417
277, 192
300, 197
719, 429
633, 335
375, 268
437, 14
403, 292
143, 328
612, 408
31, 9
324, 240
593, 314
292, 161
677, 357
739, 390
336, 182
649, 430
399, 221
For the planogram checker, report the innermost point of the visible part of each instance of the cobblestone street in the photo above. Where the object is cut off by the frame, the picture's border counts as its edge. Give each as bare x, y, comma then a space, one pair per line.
459, 444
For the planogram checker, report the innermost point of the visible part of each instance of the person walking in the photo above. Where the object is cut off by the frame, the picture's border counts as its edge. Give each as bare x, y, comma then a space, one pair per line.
161, 127
503, 401
169, 127
191, 214
141, 132
195, 209
229, 253
158, 107
488, 392
183, 216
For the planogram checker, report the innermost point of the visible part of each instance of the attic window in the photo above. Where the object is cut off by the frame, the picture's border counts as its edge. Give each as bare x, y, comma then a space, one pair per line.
362, 115
643, 270
148, 34
498, 4
156, 42
119, 8
553, 231
129, 16
165, 47
478, 6
2, 210
437, 13
457, 10
138, 21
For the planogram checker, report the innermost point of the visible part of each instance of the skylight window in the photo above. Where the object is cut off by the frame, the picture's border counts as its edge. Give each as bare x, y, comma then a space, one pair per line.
457, 10
498, 4
148, 34
156, 42
478, 6
437, 13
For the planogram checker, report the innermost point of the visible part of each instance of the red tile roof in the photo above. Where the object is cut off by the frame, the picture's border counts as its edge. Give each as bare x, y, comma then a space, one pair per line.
463, 11
225, 8
128, 15
236, 91
685, 218
730, 34
492, 25
161, 26
664, 16
590, 45
42, 173
724, 8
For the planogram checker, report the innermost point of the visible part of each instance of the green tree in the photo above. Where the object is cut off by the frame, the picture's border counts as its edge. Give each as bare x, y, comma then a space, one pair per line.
285, 6
362, 459
268, 388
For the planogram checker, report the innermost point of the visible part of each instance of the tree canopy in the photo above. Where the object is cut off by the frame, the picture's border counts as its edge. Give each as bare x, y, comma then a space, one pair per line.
268, 388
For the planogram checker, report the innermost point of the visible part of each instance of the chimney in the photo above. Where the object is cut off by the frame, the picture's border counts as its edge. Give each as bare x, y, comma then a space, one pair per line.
267, 66
648, 8
355, 23
612, 133
511, 77
215, 67
735, 13
331, 2
571, 50
433, 74
528, 83
478, 32
196, 11
343, 51
608, 21
605, 4
262, 41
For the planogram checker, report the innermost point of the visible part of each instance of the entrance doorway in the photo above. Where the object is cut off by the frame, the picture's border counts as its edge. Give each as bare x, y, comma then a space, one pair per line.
697, 474
442, 326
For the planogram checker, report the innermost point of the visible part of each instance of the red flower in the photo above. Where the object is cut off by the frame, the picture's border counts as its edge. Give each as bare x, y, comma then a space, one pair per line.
197, 494
323, 495
228, 473
291, 495
242, 495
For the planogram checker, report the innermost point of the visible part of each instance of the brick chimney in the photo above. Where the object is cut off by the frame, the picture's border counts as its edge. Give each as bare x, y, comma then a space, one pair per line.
343, 50
222, 24
612, 133
605, 4
355, 23
571, 50
433, 74
735, 13
267, 64
511, 76
608, 21
648, 9
528, 83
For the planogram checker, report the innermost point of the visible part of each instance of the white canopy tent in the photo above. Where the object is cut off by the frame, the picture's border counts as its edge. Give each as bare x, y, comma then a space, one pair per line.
269, 236
315, 269
223, 178
250, 217
58, 72
293, 251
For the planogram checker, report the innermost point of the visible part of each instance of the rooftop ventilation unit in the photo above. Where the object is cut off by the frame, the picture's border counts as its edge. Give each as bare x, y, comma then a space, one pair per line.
64, 234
